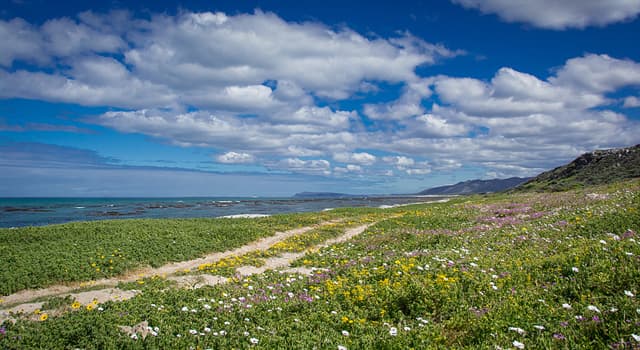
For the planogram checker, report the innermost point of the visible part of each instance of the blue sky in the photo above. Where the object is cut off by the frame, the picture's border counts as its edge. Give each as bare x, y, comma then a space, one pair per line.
270, 98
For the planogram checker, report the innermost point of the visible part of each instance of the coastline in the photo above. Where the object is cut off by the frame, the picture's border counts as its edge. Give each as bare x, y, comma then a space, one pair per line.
21, 212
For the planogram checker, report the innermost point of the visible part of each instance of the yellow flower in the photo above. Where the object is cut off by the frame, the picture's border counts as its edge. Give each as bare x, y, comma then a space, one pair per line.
44, 317
76, 305
91, 306
36, 311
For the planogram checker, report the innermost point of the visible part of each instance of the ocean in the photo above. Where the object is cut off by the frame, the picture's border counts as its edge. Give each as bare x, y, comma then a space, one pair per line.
18, 212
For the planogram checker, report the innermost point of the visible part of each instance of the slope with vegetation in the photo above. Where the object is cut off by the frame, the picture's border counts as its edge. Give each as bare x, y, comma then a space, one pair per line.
593, 168
476, 186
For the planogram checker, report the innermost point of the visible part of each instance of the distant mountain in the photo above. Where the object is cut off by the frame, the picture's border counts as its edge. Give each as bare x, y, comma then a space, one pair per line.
322, 195
593, 168
476, 186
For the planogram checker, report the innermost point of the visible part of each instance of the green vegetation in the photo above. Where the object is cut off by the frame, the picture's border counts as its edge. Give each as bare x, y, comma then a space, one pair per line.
532, 270
56, 302
594, 168
40, 256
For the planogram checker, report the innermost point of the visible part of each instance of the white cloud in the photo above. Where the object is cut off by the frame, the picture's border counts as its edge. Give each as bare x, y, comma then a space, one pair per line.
207, 60
20, 40
224, 132
409, 104
447, 164
130, 92
249, 49
552, 14
361, 158
431, 125
521, 121
598, 73
512, 93
257, 88
631, 101
65, 37
297, 165
418, 171
60, 37
350, 168
318, 116
399, 161
235, 158
408, 165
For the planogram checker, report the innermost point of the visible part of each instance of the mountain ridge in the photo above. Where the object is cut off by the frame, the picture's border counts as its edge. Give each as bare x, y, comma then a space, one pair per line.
475, 186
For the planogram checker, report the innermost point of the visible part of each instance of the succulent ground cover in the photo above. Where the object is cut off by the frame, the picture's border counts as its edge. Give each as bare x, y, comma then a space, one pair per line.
83, 251
557, 271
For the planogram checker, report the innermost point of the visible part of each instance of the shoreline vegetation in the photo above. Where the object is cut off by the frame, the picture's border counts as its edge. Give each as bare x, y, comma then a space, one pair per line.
516, 270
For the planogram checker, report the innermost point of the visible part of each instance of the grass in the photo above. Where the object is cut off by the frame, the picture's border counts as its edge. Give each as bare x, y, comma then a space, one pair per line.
84, 251
549, 271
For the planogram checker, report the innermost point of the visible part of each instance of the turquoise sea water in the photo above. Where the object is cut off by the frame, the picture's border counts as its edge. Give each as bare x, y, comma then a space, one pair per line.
16, 212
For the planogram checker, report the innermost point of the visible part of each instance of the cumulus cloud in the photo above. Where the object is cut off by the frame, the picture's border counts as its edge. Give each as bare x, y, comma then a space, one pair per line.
399, 161
409, 104
519, 124
512, 93
223, 131
598, 73
631, 101
552, 14
517, 116
362, 158
432, 125
349, 168
20, 41
259, 89
297, 165
235, 158
408, 165
127, 92
55, 38
207, 60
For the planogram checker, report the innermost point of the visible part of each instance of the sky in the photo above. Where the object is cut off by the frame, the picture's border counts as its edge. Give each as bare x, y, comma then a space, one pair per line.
269, 98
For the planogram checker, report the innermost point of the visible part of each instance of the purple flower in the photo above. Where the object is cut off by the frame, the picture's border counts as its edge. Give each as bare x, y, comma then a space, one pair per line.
3, 331
564, 323
596, 319
306, 297
630, 233
559, 336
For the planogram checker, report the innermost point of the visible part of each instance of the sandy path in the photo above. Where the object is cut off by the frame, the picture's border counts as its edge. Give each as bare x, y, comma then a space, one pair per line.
261, 244
189, 281
284, 260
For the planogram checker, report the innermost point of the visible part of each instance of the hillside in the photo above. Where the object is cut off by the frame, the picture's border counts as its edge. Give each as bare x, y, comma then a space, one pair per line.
593, 168
476, 186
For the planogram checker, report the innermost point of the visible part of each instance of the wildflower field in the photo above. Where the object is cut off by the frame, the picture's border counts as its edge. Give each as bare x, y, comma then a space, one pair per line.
533, 270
